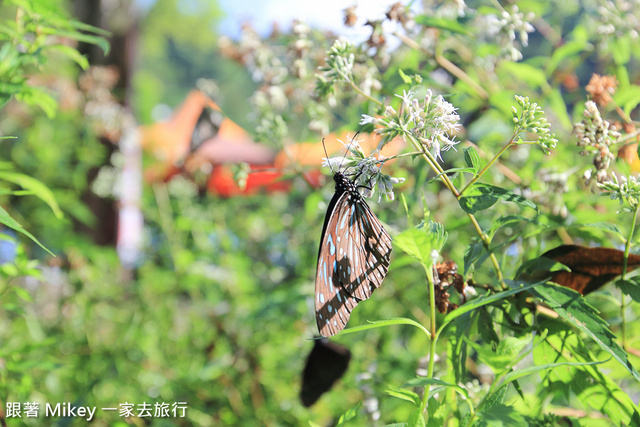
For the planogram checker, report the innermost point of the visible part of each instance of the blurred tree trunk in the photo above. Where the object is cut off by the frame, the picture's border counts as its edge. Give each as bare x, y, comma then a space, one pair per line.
121, 23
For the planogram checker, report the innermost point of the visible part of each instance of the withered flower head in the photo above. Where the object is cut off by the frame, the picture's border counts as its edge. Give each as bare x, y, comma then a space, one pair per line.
601, 88
350, 17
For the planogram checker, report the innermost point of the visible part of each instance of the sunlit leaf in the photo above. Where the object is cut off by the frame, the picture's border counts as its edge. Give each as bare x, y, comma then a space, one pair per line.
36, 187
7, 220
574, 309
483, 196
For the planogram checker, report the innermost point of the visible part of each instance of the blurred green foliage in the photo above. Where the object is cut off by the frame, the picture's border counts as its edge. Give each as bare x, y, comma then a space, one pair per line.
219, 312
172, 54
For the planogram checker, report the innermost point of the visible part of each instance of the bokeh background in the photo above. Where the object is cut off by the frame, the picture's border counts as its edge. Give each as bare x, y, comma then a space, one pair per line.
185, 163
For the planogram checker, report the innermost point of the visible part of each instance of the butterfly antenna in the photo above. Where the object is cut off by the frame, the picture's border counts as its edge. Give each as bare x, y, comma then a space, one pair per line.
325, 152
348, 146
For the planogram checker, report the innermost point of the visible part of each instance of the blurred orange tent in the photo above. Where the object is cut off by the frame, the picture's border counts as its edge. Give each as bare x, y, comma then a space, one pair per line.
221, 143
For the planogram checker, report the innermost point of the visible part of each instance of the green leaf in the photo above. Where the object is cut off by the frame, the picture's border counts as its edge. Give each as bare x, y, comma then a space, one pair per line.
606, 226
484, 300
22, 293
592, 388
72, 54
507, 220
570, 305
519, 373
436, 413
471, 254
349, 415
403, 394
568, 50
86, 38
484, 196
472, 159
533, 76
36, 187
493, 399
421, 241
385, 323
406, 79
620, 48
445, 24
35, 96
507, 350
630, 287
416, 419
486, 327
559, 107
424, 382
450, 171
500, 415
629, 98
7, 220
539, 268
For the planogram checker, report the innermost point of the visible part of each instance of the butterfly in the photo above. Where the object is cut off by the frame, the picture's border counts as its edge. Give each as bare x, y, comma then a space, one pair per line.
325, 365
353, 258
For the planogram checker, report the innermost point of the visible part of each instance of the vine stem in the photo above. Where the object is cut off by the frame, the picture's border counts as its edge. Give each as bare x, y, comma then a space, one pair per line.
491, 162
357, 89
624, 302
434, 336
432, 326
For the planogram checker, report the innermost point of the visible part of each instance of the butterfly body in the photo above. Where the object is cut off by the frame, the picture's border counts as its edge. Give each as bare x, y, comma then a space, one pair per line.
353, 258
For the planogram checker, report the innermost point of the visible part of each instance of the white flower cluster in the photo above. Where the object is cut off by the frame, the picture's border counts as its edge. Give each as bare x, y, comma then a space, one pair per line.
366, 169
511, 24
617, 18
431, 120
626, 189
595, 132
531, 119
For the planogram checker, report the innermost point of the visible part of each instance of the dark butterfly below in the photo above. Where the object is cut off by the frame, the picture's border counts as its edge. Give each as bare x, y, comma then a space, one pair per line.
326, 363
353, 258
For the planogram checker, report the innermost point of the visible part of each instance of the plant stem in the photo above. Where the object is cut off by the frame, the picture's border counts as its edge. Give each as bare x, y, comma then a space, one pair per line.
447, 65
491, 162
445, 179
367, 96
624, 302
434, 336
628, 136
432, 326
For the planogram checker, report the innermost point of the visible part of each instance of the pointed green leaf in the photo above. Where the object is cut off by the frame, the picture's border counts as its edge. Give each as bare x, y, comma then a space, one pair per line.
421, 241
484, 196
572, 307
472, 159
630, 287
416, 419
349, 415
484, 300
7, 220
424, 382
37, 188
519, 373
472, 254
385, 323
403, 394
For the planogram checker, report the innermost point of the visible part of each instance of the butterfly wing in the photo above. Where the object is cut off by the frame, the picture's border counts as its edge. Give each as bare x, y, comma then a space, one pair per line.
352, 262
326, 364
333, 303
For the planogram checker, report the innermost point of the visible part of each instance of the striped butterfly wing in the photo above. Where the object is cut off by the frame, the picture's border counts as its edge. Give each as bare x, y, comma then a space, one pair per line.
353, 258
